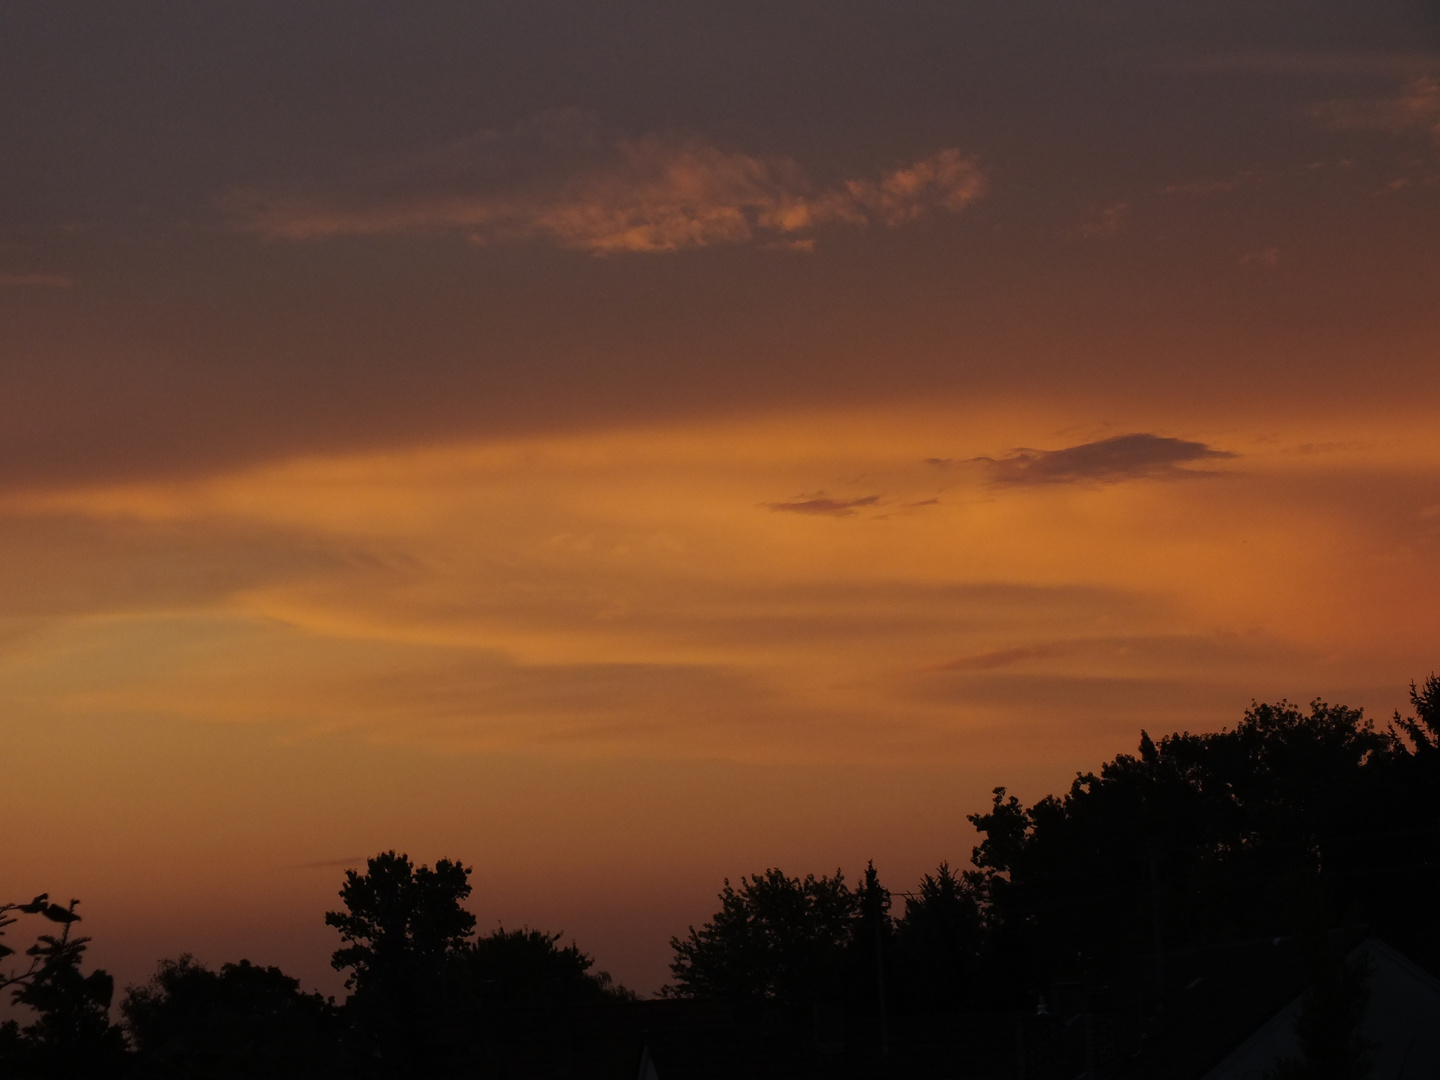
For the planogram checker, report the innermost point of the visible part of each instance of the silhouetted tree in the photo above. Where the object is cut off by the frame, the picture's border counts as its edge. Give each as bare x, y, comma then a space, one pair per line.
775, 939
9, 915
405, 926
938, 942
869, 972
1423, 729
527, 967
71, 1035
242, 1021
1395, 864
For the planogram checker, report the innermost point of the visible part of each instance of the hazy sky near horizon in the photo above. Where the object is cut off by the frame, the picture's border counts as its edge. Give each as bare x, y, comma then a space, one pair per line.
628, 445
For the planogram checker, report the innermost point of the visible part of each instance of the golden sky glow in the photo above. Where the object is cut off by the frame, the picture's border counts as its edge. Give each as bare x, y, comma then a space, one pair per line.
624, 450
826, 590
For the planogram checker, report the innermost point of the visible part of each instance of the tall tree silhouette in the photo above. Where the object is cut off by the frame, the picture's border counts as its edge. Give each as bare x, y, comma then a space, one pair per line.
403, 927
870, 970
1396, 864
938, 942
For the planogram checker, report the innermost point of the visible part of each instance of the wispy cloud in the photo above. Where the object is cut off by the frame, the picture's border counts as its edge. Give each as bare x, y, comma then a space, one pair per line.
825, 506
993, 659
35, 281
1124, 457
1416, 108
1266, 258
560, 181
1103, 222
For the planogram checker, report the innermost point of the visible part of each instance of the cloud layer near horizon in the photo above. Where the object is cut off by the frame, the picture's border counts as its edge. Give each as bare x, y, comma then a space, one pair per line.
559, 180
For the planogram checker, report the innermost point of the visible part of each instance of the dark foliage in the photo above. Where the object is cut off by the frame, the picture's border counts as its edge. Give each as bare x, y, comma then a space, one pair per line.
937, 946
527, 968
1290, 822
405, 927
1331, 1046
402, 923
775, 939
868, 971
1201, 850
1195, 854
71, 1035
241, 1021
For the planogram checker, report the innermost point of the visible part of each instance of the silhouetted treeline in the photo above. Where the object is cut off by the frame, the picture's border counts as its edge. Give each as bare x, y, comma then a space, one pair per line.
241, 1021
1292, 823
1307, 826
428, 998
1288, 824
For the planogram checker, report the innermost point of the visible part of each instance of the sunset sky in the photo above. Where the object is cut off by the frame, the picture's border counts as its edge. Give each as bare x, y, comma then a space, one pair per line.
627, 445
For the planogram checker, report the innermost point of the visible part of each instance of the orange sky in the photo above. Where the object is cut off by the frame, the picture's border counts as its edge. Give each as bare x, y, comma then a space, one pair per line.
625, 473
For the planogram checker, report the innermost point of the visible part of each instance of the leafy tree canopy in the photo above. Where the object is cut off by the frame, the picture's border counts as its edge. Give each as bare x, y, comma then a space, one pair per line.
938, 942
401, 922
1293, 820
774, 939
71, 1035
530, 967
243, 1020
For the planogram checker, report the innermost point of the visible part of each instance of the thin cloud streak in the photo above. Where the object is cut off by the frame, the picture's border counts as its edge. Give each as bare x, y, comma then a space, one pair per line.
1124, 457
824, 506
567, 186
992, 659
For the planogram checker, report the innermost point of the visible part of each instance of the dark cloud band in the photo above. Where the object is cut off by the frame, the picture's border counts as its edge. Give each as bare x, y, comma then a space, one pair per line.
1124, 457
